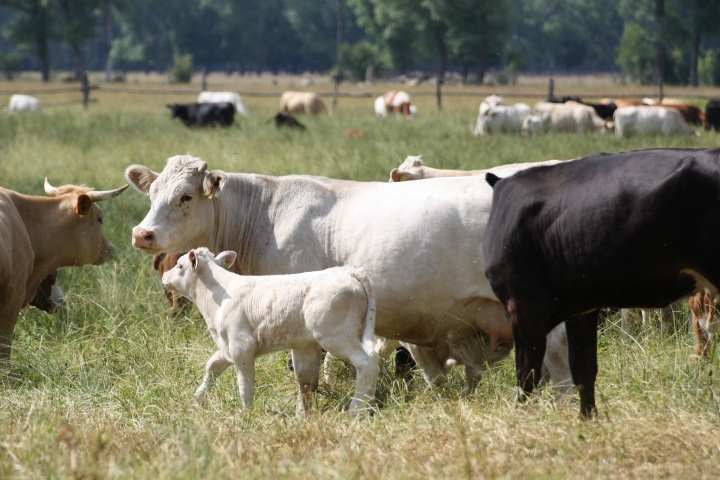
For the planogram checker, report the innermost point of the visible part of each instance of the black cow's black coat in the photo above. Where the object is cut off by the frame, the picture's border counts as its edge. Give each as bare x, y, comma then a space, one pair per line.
204, 114
609, 230
712, 115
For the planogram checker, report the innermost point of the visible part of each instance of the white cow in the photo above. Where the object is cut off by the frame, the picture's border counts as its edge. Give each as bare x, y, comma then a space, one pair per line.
569, 117
224, 97
24, 103
499, 119
649, 121
420, 242
252, 316
532, 125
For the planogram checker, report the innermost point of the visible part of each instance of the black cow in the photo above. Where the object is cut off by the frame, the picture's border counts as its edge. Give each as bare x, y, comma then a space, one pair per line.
712, 115
633, 229
204, 114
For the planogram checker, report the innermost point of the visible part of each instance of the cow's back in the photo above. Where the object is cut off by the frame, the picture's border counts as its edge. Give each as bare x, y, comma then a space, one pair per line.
600, 225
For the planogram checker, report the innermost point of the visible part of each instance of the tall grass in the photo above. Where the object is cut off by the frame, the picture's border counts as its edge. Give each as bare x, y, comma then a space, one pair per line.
111, 376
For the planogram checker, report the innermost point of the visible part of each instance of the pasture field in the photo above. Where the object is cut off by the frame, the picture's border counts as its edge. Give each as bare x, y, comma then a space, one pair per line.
110, 378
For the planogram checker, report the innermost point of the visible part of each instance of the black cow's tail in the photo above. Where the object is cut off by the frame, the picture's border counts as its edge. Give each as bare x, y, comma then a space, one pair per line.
491, 179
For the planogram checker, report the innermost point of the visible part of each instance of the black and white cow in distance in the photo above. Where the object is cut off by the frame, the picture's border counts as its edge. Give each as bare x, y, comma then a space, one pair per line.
633, 229
420, 242
204, 114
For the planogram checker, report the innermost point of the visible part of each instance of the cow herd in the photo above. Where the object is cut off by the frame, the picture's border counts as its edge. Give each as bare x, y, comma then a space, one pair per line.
459, 268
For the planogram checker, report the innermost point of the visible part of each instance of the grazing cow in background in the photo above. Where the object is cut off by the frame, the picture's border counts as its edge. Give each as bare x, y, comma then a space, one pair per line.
705, 322
712, 115
302, 102
224, 97
24, 103
252, 316
567, 240
49, 297
649, 120
162, 263
204, 114
293, 224
30, 250
532, 125
284, 119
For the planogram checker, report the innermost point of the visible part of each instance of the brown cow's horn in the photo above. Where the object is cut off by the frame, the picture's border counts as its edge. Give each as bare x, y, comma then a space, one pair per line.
106, 195
50, 190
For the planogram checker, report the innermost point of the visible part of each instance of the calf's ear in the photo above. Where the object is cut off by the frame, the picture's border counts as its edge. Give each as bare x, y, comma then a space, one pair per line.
192, 256
212, 183
141, 177
228, 257
83, 204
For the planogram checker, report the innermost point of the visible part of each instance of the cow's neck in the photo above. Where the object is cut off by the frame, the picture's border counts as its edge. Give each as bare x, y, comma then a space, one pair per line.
42, 216
242, 221
210, 291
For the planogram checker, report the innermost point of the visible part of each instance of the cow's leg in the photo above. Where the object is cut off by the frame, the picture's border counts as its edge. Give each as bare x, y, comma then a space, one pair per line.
214, 367
556, 361
432, 368
307, 368
9, 311
582, 349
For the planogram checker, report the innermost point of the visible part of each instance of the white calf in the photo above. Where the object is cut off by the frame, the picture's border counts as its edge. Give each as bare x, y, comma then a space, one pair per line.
24, 103
252, 316
223, 97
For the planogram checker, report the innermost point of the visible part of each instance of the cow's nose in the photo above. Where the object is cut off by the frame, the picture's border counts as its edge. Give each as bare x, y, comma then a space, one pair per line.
142, 238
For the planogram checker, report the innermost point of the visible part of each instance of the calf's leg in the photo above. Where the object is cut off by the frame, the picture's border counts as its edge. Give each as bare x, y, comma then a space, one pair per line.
214, 367
582, 350
307, 368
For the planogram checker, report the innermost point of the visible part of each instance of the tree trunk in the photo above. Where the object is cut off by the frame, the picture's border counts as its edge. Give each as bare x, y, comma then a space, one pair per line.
107, 7
694, 59
481, 68
659, 72
441, 74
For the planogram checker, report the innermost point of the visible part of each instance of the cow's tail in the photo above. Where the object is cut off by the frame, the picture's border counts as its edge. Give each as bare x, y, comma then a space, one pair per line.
368, 338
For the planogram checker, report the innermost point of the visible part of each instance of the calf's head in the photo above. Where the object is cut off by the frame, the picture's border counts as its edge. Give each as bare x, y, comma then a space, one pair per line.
183, 275
182, 207
79, 229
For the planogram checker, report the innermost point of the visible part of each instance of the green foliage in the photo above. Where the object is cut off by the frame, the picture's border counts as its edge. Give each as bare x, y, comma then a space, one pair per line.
357, 57
10, 64
182, 69
635, 54
709, 68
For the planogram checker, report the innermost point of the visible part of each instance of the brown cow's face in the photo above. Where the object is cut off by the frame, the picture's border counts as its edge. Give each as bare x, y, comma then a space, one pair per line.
182, 209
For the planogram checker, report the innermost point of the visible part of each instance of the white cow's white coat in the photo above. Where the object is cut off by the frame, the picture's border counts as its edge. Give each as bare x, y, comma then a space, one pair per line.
24, 103
253, 316
420, 242
649, 121
224, 97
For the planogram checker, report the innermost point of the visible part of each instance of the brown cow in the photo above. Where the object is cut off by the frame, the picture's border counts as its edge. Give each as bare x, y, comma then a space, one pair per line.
705, 322
38, 235
48, 297
162, 263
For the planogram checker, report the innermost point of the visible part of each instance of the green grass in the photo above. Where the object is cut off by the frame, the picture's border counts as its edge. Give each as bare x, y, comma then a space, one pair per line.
112, 376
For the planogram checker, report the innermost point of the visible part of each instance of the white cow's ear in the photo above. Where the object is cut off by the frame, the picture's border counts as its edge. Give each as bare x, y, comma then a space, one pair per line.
192, 256
141, 177
212, 183
228, 257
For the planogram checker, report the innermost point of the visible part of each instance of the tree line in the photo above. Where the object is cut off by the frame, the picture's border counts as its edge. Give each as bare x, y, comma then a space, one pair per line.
674, 41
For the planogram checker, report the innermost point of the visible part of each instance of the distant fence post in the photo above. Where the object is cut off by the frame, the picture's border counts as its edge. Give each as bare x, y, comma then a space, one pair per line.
551, 90
85, 88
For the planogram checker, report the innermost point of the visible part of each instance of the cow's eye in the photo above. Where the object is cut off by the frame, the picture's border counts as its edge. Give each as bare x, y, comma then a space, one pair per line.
185, 198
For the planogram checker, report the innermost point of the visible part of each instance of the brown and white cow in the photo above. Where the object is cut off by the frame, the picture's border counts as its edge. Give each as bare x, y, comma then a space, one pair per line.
38, 235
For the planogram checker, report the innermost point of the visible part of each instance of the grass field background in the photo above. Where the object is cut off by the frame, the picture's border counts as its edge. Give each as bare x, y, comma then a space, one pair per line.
111, 377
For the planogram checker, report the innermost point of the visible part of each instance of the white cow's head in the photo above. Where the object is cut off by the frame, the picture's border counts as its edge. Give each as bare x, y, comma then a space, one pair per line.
182, 206
410, 169
182, 277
